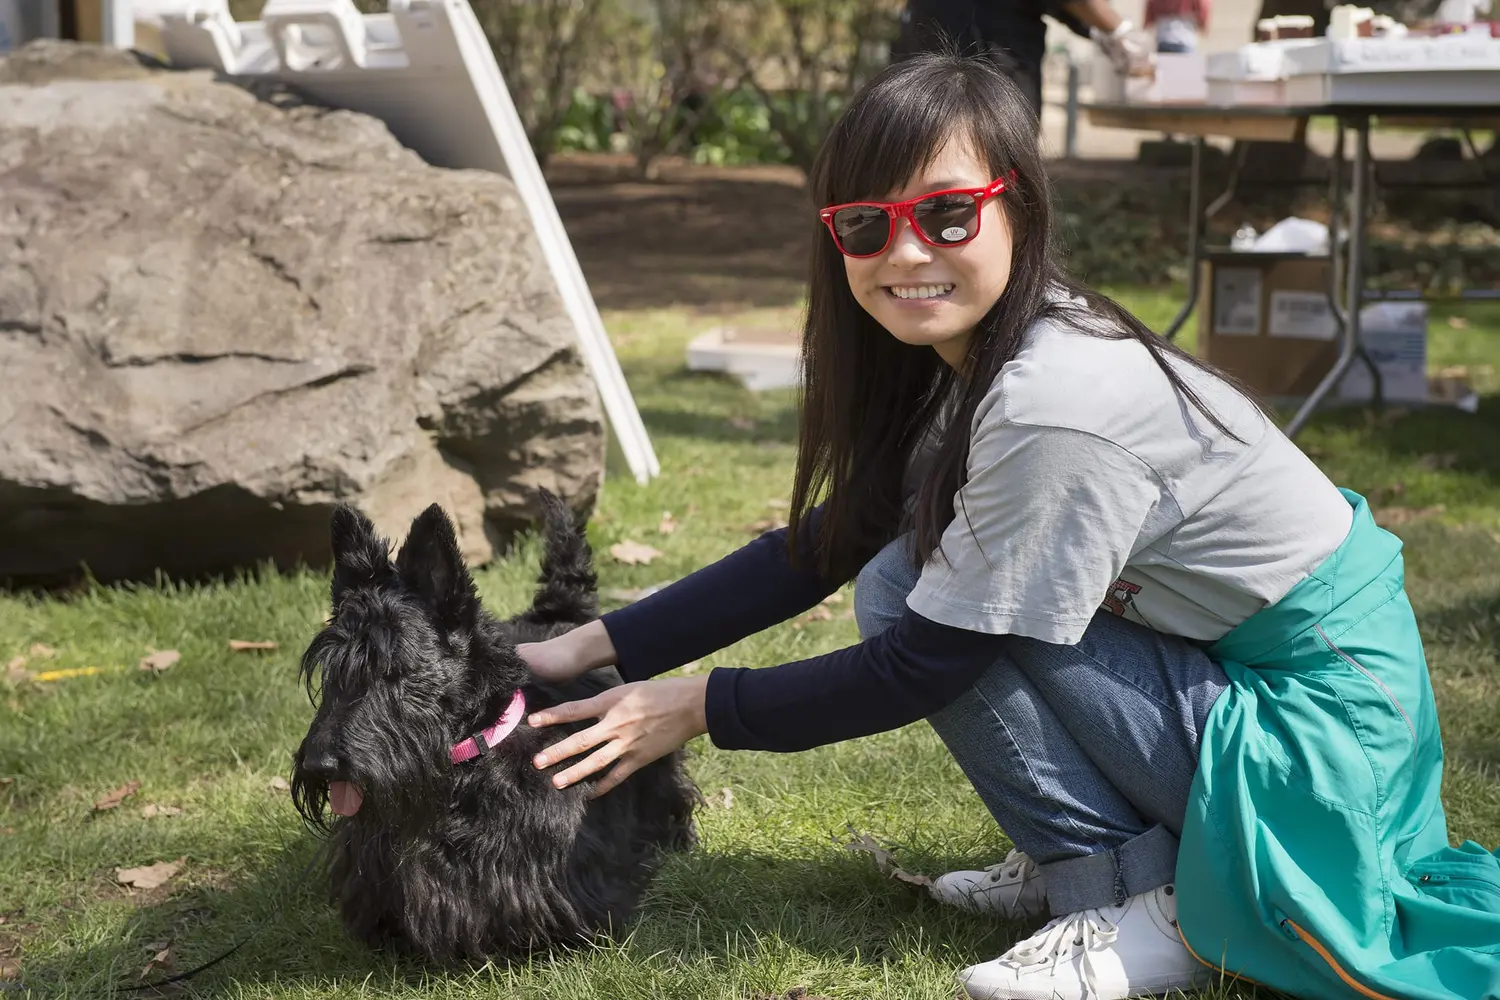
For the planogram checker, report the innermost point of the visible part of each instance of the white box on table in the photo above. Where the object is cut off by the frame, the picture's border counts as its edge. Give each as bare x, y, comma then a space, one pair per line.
1179, 79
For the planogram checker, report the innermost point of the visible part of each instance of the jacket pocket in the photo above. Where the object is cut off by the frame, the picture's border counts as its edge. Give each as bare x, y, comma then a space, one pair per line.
1467, 876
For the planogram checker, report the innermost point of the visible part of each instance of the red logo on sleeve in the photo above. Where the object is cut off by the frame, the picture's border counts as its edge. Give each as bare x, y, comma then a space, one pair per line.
1119, 596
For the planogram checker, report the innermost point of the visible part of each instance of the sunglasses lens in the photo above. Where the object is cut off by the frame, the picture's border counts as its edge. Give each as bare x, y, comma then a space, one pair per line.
948, 218
862, 229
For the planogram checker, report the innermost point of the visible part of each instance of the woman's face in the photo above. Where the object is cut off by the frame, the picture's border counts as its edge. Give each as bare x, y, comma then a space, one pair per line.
935, 296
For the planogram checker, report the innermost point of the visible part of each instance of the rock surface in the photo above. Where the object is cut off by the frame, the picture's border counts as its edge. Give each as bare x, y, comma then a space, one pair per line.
221, 315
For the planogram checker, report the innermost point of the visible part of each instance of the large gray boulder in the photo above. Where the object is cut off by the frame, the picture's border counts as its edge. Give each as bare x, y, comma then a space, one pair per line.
221, 315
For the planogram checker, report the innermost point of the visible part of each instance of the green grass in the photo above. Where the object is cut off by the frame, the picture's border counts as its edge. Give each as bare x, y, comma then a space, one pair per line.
769, 901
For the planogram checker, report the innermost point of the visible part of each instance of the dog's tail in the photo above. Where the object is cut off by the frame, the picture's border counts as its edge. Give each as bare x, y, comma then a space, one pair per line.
567, 589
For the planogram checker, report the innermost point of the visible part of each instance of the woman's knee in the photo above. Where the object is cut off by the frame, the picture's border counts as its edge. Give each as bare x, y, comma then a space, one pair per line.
881, 587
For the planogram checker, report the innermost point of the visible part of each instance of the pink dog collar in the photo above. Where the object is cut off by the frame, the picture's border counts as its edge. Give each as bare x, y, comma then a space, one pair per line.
486, 740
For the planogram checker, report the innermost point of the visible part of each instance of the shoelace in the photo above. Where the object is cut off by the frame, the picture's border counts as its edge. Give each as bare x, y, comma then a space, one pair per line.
1088, 931
1016, 862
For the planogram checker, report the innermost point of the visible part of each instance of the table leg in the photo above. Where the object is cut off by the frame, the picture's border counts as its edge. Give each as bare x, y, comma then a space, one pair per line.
1195, 238
1336, 257
1354, 282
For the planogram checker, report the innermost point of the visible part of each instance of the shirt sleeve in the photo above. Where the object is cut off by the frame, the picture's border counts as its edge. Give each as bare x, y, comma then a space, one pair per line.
748, 590
887, 681
1041, 529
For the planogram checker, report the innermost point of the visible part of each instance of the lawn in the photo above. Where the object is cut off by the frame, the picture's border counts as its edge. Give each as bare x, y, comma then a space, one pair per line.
770, 901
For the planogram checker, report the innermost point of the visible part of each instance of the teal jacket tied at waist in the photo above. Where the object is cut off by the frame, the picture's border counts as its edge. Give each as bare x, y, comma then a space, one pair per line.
1315, 855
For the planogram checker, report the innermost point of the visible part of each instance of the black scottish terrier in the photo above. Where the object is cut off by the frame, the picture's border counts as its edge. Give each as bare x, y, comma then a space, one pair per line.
446, 840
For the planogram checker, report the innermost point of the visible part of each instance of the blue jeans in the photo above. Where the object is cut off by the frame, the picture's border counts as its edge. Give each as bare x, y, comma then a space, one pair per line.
1083, 754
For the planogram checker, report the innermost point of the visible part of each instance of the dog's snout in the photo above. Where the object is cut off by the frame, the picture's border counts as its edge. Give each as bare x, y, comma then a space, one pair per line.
320, 757
323, 764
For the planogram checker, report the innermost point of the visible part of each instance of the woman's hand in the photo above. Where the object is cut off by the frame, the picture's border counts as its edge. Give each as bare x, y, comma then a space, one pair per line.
638, 723
569, 655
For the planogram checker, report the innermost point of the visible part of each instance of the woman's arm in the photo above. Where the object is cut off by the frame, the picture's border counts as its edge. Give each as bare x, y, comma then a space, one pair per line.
904, 674
745, 592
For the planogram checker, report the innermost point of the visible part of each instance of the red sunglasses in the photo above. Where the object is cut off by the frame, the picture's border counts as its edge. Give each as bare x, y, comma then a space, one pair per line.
941, 219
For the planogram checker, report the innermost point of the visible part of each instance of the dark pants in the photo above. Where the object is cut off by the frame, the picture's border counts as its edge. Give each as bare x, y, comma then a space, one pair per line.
1011, 34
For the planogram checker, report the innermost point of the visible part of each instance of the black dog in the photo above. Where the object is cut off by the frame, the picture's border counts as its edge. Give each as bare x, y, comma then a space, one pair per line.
482, 857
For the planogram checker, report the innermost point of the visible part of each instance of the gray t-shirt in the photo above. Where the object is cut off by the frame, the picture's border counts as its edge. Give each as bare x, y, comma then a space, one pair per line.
1093, 485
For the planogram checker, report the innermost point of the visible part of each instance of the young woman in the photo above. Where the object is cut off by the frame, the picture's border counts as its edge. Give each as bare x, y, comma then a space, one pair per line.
1176, 662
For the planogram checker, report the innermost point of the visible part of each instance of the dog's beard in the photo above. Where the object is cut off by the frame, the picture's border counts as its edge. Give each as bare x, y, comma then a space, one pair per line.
403, 771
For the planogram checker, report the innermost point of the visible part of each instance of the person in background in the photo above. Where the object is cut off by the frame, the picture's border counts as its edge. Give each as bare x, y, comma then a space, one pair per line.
1178, 23
1013, 34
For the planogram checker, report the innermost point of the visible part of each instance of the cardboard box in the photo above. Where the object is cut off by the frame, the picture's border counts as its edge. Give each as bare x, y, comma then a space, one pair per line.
1265, 318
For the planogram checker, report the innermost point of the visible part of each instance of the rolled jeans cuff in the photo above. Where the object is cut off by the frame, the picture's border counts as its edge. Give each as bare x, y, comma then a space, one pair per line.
1108, 878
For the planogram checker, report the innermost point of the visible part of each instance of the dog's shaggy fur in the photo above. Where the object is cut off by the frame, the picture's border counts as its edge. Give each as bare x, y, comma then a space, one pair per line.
484, 858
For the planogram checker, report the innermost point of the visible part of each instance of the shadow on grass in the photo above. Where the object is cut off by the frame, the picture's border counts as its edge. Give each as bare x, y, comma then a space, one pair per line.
1469, 443
705, 910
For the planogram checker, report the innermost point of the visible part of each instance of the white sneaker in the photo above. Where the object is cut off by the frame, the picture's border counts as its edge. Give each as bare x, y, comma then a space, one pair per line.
1014, 889
1105, 954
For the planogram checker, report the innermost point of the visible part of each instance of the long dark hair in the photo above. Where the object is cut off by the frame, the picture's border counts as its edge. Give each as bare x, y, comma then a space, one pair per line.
868, 398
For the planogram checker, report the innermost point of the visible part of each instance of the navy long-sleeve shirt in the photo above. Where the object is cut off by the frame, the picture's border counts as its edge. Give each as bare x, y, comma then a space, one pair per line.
887, 681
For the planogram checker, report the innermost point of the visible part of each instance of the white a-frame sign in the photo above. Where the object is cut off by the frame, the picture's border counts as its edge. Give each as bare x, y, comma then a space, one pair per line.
426, 69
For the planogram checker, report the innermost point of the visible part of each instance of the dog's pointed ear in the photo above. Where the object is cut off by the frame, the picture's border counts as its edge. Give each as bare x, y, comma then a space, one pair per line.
431, 564
361, 558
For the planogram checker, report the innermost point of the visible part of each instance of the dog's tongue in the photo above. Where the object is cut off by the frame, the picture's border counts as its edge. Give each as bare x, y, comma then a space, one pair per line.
344, 797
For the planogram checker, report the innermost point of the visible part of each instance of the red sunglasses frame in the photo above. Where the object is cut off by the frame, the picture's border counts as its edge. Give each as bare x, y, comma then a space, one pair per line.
897, 210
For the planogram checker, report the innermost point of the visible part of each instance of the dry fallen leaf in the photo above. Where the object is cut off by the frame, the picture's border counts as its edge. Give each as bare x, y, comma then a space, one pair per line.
16, 672
726, 798
819, 614
7, 830
633, 553
117, 796
162, 960
1458, 322
668, 523
42, 651
153, 810
243, 645
10, 970
834, 598
866, 844
885, 862
692, 667
776, 503
159, 660
764, 525
278, 784
909, 878
742, 423
149, 876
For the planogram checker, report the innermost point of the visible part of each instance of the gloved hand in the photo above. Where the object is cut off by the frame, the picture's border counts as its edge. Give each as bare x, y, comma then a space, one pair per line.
1127, 54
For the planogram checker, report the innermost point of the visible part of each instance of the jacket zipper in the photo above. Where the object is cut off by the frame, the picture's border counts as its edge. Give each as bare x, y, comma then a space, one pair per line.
1376, 680
1316, 945
1434, 878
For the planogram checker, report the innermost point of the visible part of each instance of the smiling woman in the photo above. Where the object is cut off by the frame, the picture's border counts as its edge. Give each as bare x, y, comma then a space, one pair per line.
1119, 594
